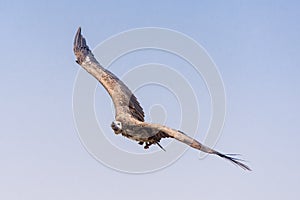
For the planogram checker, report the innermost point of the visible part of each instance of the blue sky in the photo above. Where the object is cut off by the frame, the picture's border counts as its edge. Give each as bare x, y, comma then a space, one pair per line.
255, 45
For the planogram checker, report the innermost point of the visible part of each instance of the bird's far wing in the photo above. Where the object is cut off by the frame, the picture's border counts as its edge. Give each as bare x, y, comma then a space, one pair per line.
165, 132
123, 99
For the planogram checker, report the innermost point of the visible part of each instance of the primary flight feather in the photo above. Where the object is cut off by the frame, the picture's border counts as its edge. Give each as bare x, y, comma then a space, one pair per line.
129, 115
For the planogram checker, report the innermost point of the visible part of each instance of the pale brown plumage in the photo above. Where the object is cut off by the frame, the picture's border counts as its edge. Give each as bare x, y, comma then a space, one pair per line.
129, 117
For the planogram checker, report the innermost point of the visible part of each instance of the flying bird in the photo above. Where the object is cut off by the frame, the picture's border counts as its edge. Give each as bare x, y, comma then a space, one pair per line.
129, 115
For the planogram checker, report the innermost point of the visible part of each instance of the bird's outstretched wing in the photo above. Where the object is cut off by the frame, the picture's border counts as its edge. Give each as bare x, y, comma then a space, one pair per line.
123, 99
165, 132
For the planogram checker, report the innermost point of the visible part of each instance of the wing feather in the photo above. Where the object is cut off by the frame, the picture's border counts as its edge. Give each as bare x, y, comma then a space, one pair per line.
165, 132
123, 99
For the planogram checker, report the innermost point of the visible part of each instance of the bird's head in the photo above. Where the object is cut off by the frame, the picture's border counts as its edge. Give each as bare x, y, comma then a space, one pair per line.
116, 126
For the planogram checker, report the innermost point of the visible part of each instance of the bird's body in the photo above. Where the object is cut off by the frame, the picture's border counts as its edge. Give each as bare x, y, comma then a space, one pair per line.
129, 115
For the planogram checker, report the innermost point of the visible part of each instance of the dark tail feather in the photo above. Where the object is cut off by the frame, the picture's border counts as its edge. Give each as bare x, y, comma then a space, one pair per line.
235, 161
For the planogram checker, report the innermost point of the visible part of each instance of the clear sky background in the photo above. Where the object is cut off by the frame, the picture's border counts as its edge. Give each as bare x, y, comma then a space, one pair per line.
255, 45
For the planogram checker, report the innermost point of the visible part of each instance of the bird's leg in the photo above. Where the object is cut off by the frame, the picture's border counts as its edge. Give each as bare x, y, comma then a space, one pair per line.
147, 145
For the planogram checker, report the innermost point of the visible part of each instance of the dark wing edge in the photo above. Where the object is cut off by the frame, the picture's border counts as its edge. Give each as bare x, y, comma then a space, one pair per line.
81, 51
136, 109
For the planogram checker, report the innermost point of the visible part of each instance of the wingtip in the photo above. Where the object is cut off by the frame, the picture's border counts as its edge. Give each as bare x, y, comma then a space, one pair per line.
78, 32
235, 161
80, 47
78, 38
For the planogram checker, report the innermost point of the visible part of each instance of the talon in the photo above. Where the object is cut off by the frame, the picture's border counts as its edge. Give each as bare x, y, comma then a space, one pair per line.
147, 144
